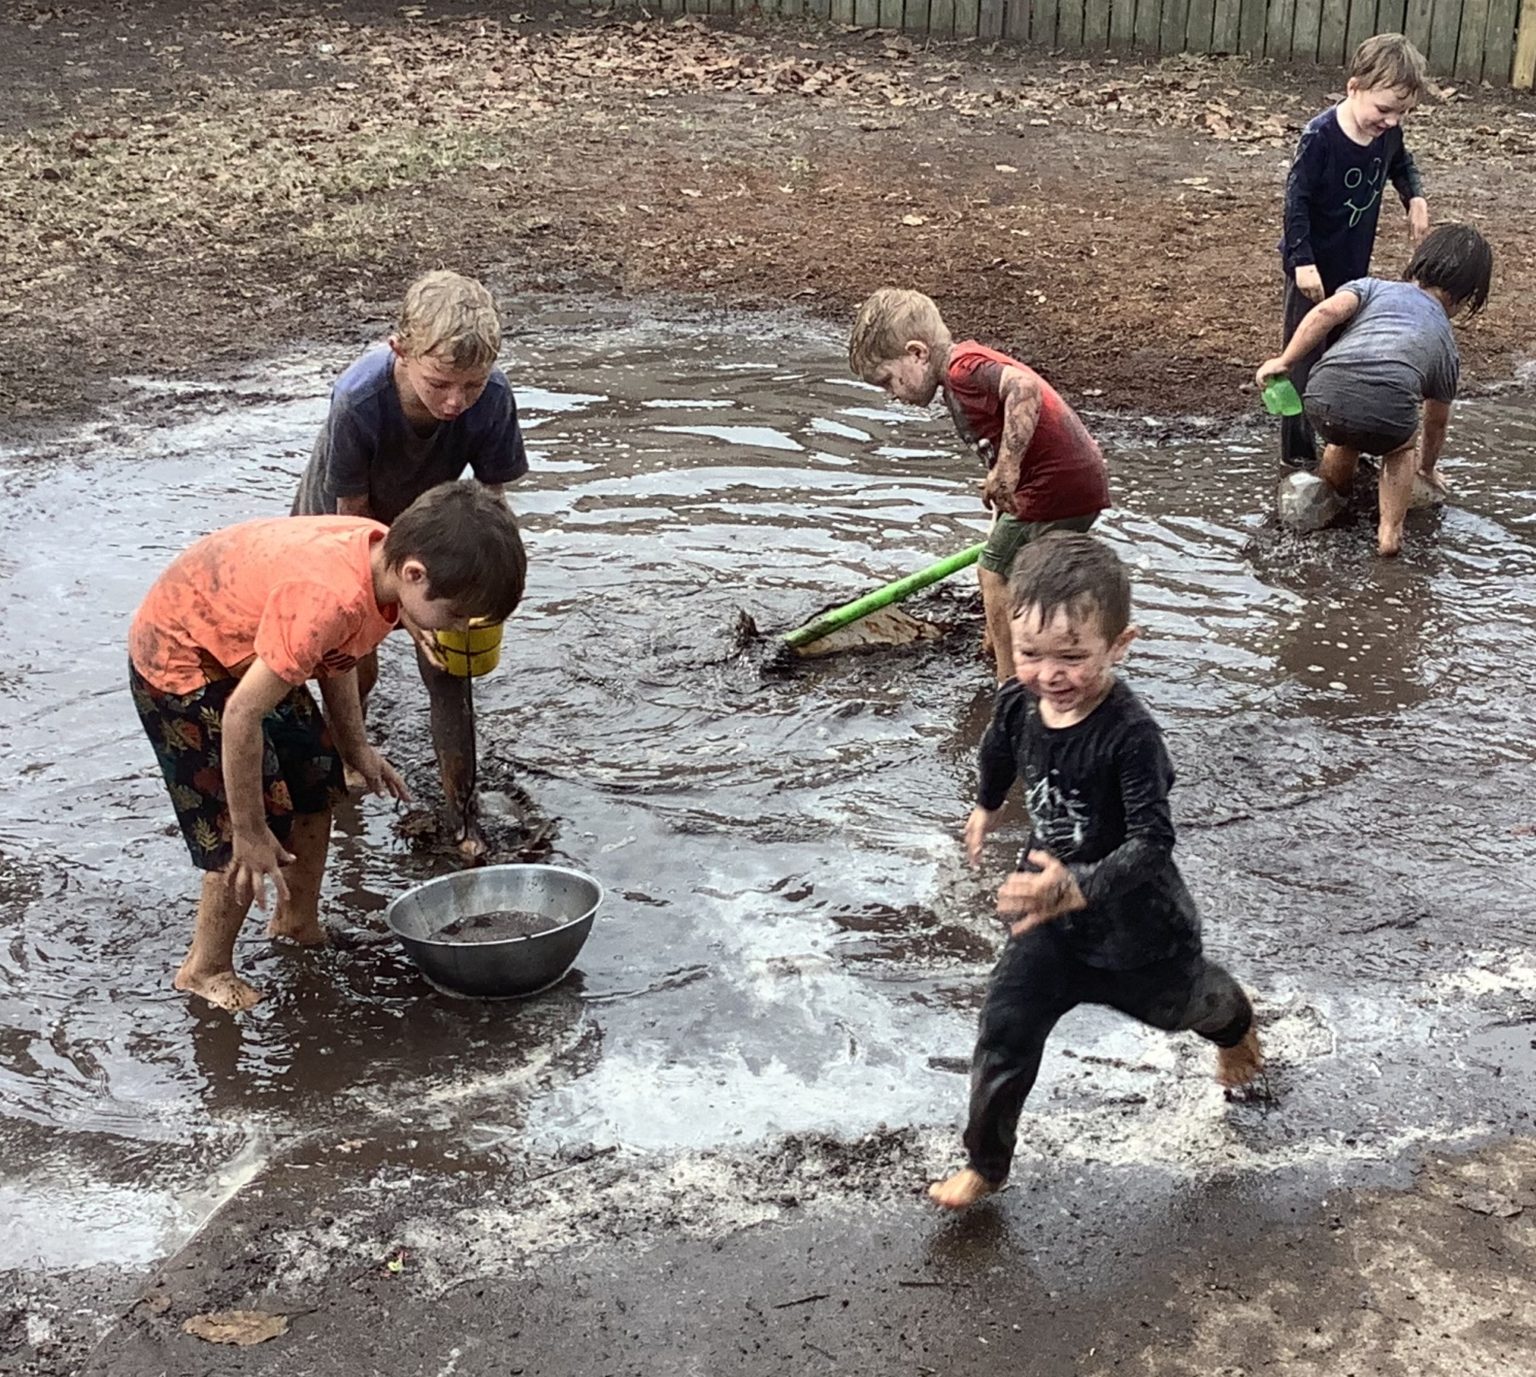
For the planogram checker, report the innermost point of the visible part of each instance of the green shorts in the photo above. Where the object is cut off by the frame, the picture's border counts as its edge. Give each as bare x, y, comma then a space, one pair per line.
1010, 535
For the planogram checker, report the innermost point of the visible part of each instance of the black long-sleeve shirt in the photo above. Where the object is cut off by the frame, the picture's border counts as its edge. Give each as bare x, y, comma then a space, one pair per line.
1097, 794
1333, 198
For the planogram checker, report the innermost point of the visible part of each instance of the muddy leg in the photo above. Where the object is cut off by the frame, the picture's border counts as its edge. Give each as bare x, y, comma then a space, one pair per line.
298, 919
1338, 467
1395, 492
994, 602
453, 739
367, 677
209, 968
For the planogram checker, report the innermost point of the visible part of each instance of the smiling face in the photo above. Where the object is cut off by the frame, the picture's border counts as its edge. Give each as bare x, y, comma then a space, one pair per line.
1067, 663
433, 389
1376, 109
912, 377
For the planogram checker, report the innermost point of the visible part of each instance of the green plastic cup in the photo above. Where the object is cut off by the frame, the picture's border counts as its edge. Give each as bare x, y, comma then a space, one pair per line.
1281, 397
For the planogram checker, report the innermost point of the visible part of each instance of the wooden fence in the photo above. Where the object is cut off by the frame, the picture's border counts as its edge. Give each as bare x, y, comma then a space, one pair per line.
1464, 40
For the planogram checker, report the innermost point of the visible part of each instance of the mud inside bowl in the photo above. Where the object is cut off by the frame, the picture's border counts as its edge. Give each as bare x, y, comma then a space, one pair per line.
502, 931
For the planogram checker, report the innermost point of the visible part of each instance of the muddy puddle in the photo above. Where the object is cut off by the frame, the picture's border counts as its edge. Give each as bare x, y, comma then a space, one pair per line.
791, 943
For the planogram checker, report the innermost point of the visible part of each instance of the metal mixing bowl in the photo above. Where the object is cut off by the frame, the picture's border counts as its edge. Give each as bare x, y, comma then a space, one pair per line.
519, 966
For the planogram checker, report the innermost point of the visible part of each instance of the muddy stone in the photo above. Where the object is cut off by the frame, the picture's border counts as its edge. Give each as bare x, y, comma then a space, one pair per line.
505, 925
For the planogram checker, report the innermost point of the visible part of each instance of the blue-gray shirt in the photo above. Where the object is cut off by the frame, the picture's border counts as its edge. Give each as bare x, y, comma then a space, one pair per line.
1395, 351
367, 447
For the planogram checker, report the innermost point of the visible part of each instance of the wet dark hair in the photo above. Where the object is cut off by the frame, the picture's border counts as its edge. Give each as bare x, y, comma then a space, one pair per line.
1457, 260
1075, 572
467, 540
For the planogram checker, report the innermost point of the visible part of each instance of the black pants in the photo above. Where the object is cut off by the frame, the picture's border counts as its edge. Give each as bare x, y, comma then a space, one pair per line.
1037, 980
1298, 443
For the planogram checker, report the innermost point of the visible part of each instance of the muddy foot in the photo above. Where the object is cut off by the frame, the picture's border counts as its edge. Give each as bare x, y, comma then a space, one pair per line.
305, 934
1389, 544
964, 1188
1238, 1067
222, 989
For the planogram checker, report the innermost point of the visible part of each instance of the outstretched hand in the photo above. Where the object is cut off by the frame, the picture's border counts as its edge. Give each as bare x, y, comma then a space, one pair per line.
1037, 896
255, 858
380, 777
981, 822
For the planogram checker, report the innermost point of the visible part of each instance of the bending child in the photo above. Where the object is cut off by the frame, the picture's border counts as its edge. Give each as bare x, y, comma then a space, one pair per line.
1045, 472
1099, 913
412, 413
1345, 158
1386, 385
219, 654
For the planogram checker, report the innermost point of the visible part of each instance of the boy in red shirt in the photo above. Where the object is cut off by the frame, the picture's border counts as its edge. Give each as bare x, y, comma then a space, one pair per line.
219, 654
1045, 472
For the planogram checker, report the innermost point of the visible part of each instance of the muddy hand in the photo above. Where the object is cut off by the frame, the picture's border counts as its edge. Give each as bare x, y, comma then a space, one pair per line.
255, 858
380, 777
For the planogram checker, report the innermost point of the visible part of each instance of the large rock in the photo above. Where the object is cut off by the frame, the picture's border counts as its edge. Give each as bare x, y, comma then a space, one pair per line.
1306, 503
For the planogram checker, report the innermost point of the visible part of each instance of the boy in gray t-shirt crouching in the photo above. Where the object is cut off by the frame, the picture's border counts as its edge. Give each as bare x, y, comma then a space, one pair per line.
1386, 385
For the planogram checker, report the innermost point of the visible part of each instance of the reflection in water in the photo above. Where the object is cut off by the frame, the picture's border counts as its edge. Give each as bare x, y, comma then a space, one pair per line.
792, 940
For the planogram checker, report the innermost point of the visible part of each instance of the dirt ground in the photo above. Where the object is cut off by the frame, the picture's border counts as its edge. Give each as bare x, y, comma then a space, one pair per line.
187, 185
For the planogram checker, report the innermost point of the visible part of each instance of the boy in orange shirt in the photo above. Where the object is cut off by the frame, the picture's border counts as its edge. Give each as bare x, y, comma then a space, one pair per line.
1045, 472
219, 654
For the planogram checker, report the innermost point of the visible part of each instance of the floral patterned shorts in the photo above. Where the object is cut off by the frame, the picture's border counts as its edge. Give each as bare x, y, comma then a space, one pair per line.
300, 767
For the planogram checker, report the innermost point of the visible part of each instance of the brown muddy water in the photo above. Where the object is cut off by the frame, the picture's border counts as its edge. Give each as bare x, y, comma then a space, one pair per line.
792, 945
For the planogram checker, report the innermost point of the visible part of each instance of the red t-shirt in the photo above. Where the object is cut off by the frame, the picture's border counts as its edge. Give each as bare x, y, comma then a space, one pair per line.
297, 592
1063, 473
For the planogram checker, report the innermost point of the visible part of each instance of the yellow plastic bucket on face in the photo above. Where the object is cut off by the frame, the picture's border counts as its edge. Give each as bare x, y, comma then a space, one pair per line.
469, 654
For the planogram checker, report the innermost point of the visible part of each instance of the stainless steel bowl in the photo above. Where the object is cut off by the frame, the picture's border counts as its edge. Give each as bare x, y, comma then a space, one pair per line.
517, 967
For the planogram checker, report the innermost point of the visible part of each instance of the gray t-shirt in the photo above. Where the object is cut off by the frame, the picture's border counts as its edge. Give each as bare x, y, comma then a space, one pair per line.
1396, 351
367, 447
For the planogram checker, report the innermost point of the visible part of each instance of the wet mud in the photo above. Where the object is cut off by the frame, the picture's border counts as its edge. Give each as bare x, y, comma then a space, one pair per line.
756, 1065
505, 925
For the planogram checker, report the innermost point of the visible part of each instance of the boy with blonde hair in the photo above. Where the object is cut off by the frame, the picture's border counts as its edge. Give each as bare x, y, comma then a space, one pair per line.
413, 412
1045, 472
220, 651
1345, 158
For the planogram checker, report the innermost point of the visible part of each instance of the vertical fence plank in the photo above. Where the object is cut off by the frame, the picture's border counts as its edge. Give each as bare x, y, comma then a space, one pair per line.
788, 9
1042, 22
866, 13
1390, 17
891, 14
1069, 25
1122, 23
1170, 35
989, 18
1416, 19
819, 9
1364, 20
671, 6
1469, 42
1096, 26
1149, 24
941, 18
1197, 29
1277, 30
1443, 32
1016, 21
967, 18
1499, 45
1251, 27
915, 20
1332, 30
1523, 73
1304, 28
1225, 18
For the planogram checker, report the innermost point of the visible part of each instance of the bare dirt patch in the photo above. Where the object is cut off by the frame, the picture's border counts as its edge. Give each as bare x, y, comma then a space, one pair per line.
183, 186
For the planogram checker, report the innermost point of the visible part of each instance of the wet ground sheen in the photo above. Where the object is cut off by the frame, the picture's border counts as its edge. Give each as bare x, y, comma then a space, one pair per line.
791, 945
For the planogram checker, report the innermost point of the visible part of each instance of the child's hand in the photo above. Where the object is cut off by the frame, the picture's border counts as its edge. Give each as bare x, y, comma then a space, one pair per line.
1270, 368
379, 776
980, 822
1418, 219
258, 855
1039, 895
1309, 282
997, 492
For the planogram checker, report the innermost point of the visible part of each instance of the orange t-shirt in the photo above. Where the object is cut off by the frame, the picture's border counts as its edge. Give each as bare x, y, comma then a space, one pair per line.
296, 592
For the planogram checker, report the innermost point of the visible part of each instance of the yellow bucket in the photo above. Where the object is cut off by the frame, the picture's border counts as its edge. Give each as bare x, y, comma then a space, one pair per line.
469, 654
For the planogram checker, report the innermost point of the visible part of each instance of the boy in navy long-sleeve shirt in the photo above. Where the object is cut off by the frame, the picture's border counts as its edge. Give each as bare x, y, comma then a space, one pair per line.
1347, 156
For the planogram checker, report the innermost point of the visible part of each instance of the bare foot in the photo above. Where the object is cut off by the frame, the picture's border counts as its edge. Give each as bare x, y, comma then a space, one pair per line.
222, 989
473, 849
1389, 544
965, 1187
306, 932
1240, 1066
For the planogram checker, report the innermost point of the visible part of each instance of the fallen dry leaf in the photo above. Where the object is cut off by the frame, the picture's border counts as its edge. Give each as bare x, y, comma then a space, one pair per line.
914, 219
242, 1327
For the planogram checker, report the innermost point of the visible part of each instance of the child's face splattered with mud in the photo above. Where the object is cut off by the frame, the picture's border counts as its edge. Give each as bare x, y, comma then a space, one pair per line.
1067, 662
911, 377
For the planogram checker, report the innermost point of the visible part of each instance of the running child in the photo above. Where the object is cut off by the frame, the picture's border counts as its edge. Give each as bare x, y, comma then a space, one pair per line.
1098, 911
1345, 158
1386, 384
219, 654
413, 412
1044, 470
